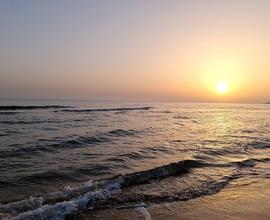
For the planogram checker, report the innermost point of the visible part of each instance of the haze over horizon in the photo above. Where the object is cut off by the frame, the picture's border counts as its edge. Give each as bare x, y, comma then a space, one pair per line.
204, 51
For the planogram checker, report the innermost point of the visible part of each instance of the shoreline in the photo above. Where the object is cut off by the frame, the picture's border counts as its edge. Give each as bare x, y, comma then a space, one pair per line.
249, 201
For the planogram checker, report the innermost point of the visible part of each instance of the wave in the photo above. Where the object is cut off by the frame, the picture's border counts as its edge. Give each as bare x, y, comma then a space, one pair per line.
245, 163
260, 144
9, 113
164, 111
181, 117
46, 176
108, 109
55, 145
96, 139
30, 107
171, 169
110, 192
122, 132
71, 200
9, 122
136, 155
4, 135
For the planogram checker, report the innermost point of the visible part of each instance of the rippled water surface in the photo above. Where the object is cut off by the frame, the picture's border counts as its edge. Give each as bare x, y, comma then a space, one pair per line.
192, 149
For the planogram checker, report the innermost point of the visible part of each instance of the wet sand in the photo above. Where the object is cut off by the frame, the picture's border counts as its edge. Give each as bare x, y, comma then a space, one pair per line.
248, 201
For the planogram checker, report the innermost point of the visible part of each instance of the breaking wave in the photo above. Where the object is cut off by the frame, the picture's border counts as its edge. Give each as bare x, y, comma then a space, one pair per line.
108, 193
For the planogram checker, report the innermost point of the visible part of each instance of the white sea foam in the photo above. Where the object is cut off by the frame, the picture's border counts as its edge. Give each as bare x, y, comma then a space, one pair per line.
144, 212
36, 210
84, 186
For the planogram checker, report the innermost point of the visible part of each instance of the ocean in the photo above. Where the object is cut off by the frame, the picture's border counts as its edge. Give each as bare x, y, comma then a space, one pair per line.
59, 158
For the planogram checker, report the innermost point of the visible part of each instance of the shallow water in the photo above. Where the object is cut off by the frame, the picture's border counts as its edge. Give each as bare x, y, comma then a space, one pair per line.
193, 150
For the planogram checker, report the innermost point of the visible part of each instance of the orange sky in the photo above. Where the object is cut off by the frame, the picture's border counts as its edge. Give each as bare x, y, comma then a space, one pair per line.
124, 50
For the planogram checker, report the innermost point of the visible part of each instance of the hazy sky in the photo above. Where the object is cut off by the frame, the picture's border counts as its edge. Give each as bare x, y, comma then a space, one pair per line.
135, 50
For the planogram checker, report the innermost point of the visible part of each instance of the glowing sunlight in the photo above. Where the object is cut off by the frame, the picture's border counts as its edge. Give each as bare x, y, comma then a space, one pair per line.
222, 87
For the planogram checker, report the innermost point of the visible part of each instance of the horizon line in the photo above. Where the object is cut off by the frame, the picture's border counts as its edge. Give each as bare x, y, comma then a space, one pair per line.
131, 101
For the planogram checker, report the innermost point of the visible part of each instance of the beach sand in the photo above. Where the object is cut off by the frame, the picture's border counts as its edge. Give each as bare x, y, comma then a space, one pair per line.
248, 201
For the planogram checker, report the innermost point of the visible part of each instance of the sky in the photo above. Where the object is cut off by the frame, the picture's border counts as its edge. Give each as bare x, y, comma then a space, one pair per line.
136, 50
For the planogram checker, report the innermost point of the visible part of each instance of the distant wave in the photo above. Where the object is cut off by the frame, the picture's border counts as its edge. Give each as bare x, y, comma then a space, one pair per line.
9, 122
180, 117
30, 107
54, 145
122, 132
9, 113
108, 109
260, 144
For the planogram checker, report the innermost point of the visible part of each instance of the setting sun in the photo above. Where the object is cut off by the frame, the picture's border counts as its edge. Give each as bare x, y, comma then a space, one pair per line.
222, 87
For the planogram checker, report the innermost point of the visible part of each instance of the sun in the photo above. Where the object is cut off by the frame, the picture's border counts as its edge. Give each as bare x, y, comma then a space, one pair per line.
222, 87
